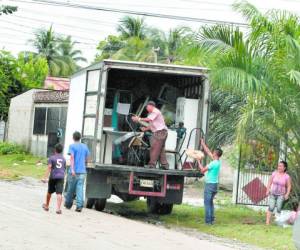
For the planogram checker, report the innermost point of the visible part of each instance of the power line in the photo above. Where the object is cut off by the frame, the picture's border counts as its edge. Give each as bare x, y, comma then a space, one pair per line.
8, 43
207, 2
130, 12
160, 6
40, 12
68, 27
22, 31
32, 34
22, 25
45, 21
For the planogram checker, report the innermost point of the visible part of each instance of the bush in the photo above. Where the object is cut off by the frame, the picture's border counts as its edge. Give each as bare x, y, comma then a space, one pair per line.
10, 148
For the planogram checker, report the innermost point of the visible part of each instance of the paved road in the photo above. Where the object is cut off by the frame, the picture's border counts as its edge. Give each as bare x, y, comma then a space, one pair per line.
24, 225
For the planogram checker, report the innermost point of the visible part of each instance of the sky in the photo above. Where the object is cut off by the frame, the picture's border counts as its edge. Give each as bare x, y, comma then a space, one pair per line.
88, 27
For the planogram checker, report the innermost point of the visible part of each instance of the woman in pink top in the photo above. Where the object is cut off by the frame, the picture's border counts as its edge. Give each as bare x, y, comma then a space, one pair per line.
278, 190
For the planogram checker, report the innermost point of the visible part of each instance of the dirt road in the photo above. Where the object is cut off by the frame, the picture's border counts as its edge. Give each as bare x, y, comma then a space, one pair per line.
24, 225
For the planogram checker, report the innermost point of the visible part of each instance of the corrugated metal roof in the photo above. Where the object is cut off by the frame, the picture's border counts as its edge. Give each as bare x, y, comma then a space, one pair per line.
57, 83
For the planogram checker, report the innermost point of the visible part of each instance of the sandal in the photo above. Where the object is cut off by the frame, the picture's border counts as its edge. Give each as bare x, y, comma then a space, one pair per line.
45, 207
59, 212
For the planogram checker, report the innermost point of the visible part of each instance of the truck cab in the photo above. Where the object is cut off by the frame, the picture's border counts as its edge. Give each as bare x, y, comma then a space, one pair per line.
102, 99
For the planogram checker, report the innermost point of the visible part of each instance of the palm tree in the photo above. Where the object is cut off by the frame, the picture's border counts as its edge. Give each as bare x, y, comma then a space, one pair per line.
173, 41
7, 9
136, 49
264, 68
169, 42
132, 27
108, 47
45, 42
59, 52
68, 55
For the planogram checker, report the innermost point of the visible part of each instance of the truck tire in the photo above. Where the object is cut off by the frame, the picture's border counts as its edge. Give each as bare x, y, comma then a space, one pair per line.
90, 203
165, 209
152, 205
155, 207
100, 204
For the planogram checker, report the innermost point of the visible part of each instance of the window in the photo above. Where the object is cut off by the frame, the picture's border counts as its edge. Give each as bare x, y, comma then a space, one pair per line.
93, 80
39, 121
63, 117
52, 120
89, 126
91, 104
49, 119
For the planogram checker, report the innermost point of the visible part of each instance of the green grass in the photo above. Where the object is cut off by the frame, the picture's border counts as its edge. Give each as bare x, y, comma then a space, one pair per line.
16, 166
232, 222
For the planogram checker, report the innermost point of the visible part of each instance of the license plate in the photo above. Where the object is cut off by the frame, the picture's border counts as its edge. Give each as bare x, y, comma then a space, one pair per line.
147, 183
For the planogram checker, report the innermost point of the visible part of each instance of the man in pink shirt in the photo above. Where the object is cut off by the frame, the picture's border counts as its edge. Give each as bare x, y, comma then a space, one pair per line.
160, 133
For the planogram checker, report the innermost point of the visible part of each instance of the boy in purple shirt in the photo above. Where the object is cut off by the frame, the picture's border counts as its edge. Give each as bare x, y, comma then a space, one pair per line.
56, 174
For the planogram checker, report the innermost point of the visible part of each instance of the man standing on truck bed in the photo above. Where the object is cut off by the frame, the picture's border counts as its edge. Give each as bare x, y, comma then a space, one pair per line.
79, 153
160, 133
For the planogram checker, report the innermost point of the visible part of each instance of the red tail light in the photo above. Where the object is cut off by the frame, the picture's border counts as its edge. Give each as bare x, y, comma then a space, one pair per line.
174, 186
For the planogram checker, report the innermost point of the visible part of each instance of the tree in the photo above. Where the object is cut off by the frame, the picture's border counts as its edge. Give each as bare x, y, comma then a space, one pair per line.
169, 42
7, 9
45, 43
264, 68
31, 71
132, 27
18, 75
108, 47
135, 35
69, 55
59, 52
224, 114
136, 49
7, 81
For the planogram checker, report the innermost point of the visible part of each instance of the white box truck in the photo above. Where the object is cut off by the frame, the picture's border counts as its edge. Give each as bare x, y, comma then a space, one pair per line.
102, 97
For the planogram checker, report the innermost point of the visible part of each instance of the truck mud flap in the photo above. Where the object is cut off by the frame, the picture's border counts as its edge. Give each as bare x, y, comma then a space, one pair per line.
144, 185
98, 185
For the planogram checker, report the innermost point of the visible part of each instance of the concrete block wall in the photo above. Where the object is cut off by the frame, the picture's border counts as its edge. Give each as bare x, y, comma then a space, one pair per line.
20, 119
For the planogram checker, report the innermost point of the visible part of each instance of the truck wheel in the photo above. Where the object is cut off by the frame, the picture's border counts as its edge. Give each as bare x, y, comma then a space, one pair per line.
90, 203
165, 209
152, 205
100, 204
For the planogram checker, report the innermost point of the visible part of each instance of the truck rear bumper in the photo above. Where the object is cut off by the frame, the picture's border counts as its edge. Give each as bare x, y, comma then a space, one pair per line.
165, 186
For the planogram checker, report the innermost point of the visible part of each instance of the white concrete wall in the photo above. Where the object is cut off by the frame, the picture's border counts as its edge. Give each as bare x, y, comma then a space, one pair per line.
39, 144
75, 108
2, 130
20, 119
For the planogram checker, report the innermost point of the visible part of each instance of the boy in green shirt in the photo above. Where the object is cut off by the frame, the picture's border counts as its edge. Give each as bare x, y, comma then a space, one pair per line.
211, 171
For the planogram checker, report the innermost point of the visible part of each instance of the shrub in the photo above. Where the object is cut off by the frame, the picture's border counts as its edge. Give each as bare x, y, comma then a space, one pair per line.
10, 148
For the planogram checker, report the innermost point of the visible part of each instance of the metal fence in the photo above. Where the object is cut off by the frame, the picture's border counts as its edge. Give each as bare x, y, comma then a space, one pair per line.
251, 187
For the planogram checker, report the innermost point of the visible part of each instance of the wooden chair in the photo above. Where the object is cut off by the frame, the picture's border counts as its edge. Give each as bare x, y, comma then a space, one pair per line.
196, 133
